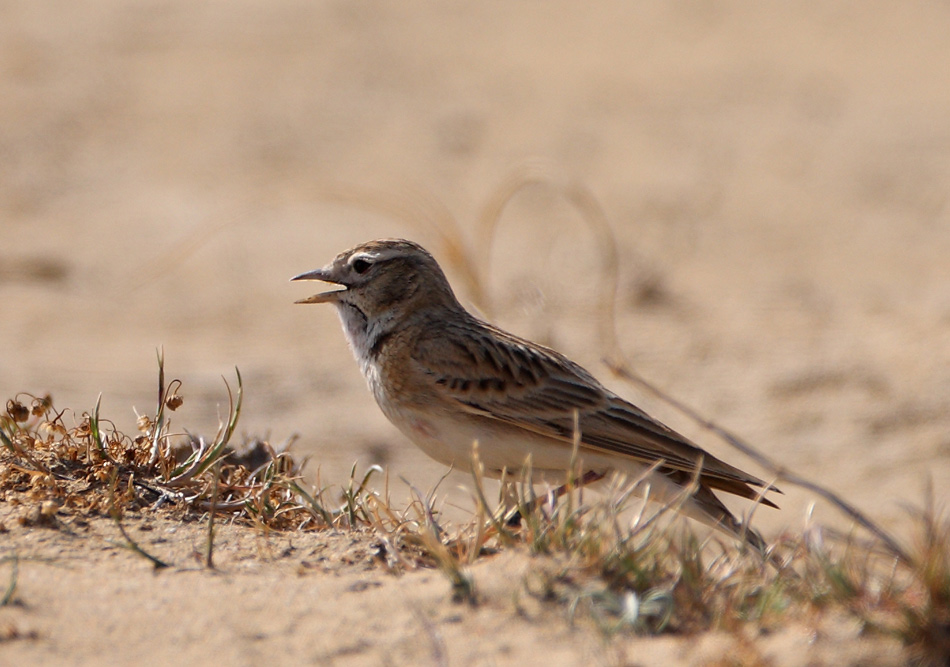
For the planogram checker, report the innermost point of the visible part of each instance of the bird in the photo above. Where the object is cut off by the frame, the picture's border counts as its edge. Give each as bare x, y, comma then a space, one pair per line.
447, 379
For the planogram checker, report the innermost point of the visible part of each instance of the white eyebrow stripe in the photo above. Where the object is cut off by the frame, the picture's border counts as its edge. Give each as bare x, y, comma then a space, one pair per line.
377, 255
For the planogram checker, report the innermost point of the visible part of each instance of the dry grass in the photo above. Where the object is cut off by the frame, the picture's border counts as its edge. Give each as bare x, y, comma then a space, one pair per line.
608, 559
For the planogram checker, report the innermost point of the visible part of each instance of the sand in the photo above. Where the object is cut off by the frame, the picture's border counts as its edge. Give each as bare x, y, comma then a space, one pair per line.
775, 178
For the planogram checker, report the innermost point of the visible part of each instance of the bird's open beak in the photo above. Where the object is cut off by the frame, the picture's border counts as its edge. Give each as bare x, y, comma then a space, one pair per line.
323, 297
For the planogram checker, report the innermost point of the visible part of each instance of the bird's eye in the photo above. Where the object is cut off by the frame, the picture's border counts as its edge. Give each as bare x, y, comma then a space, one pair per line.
361, 266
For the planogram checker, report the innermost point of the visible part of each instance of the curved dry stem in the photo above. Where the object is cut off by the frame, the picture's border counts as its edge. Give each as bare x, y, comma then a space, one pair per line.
419, 210
586, 204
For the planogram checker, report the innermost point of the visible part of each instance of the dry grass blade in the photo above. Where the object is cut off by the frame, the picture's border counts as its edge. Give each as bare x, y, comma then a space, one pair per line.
494, 516
129, 544
223, 437
418, 210
353, 494
159, 424
205, 456
431, 538
6, 441
134, 547
311, 502
216, 478
14, 577
95, 433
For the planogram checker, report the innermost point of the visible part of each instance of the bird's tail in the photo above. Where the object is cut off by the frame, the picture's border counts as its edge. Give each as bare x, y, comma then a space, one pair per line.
704, 506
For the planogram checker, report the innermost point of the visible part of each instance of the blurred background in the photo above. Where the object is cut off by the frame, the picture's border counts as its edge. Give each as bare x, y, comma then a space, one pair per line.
776, 177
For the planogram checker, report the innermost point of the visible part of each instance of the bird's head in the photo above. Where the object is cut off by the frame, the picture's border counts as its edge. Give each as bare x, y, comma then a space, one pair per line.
382, 276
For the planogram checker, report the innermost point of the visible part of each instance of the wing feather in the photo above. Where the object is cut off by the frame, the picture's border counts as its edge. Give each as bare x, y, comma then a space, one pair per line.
499, 376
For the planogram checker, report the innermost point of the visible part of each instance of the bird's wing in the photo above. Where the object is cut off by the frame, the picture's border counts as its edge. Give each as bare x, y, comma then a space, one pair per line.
499, 376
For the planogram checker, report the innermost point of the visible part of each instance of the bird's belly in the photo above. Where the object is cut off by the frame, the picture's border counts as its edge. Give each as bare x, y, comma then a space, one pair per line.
502, 448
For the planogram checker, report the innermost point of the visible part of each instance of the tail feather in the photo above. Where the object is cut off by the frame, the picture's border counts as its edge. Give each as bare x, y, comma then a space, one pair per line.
707, 508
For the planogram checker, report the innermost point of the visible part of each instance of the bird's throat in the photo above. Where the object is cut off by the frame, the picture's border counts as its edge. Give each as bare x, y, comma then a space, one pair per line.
366, 335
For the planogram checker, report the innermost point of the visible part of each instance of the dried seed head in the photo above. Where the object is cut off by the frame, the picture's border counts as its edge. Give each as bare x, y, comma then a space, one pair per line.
41, 405
53, 427
174, 402
48, 508
144, 424
103, 472
17, 411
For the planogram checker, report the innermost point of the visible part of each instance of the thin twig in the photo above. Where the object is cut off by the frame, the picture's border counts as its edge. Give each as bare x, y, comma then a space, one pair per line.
130, 544
14, 576
209, 561
621, 369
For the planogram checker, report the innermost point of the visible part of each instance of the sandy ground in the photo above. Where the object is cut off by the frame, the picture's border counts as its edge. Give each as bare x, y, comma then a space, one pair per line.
776, 178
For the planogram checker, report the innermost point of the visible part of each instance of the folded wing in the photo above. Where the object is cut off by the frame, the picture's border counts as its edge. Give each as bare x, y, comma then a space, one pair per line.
539, 390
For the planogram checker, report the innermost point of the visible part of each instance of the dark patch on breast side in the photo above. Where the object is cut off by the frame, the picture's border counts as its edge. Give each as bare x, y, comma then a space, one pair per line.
378, 344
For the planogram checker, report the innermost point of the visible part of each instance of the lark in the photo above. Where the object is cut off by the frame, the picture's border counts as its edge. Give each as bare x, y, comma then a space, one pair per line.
447, 379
